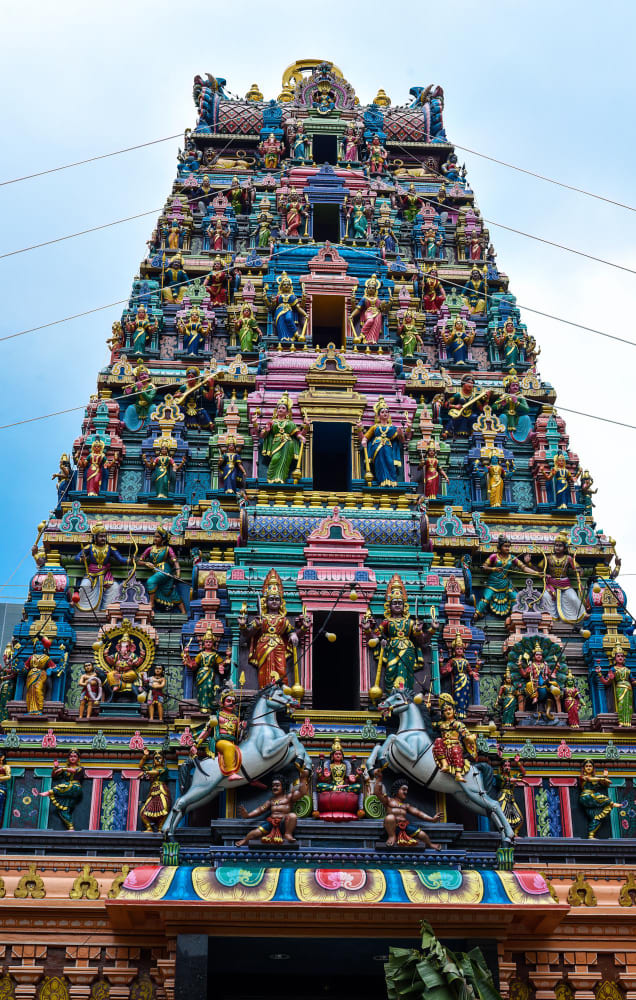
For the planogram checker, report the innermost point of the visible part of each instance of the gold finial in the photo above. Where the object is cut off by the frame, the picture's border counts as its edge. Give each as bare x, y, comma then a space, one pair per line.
254, 93
382, 99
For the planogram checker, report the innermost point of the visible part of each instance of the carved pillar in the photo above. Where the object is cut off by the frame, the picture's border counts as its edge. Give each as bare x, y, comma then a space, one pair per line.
564, 784
133, 775
97, 775
532, 782
27, 974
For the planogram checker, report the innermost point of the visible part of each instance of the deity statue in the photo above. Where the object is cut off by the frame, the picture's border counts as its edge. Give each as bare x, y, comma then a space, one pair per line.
230, 729
350, 151
359, 215
217, 233
476, 248
457, 336
510, 342
376, 156
513, 410
144, 393
370, 310
247, 330
463, 407
499, 594
496, 473
411, 203
8, 674
434, 295
408, 334
156, 682
172, 235
338, 787
506, 702
282, 441
560, 598
620, 677
139, 329
451, 169
387, 241
116, 342
454, 737
280, 824
271, 637
98, 589
271, 150
216, 284
200, 395
236, 196
586, 491
162, 585
563, 481
295, 213
94, 465
381, 445
210, 669
536, 664
38, 668
194, 328
284, 305
125, 677
432, 474
461, 673
232, 473
66, 794
157, 805
175, 280
65, 477
402, 638
300, 143
400, 832
595, 803
571, 700
90, 684
507, 781
264, 226
163, 472
475, 292
5, 778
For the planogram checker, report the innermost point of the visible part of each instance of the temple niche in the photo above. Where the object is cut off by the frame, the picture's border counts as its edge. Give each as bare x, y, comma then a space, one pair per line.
321, 616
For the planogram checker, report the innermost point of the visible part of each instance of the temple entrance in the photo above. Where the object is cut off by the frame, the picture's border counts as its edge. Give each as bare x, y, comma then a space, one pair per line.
336, 668
328, 320
331, 454
326, 223
325, 149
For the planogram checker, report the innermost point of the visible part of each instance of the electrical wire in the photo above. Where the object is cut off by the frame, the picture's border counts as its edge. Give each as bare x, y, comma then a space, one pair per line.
542, 177
90, 159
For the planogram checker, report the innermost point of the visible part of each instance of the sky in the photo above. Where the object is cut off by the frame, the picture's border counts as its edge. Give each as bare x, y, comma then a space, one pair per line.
547, 86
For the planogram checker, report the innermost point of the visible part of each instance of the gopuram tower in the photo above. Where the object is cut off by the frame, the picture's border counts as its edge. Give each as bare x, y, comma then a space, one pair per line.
321, 617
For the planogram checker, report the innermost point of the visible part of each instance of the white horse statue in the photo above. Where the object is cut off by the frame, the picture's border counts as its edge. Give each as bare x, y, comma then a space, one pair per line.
264, 747
410, 752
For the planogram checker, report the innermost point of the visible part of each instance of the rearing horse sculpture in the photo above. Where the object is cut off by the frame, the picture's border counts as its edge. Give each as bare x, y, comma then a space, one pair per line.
264, 748
410, 752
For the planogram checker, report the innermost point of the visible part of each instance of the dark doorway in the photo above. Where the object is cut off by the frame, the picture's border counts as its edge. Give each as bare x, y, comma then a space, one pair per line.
326, 223
325, 149
331, 451
328, 320
336, 668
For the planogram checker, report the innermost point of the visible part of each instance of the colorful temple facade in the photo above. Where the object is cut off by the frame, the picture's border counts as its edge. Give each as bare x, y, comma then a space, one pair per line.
323, 638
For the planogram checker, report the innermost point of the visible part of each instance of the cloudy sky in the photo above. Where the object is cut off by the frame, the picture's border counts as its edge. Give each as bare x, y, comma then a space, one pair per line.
548, 86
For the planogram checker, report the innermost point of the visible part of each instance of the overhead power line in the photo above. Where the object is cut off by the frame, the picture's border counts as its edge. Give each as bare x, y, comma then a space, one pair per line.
90, 159
542, 177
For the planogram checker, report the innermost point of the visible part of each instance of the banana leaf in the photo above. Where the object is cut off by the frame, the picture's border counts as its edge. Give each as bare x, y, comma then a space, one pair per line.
433, 972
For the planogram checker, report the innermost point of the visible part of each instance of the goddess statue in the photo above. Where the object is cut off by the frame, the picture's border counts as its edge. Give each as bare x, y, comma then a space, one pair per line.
454, 738
247, 330
209, 667
499, 594
163, 472
457, 337
282, 441
563, 481
162, 584
381, 445
461, 673
370, 310
157, 805
408, 334
620, 677
93, 465
139, 329
66, 794
284, 306
38, 668
595, 803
